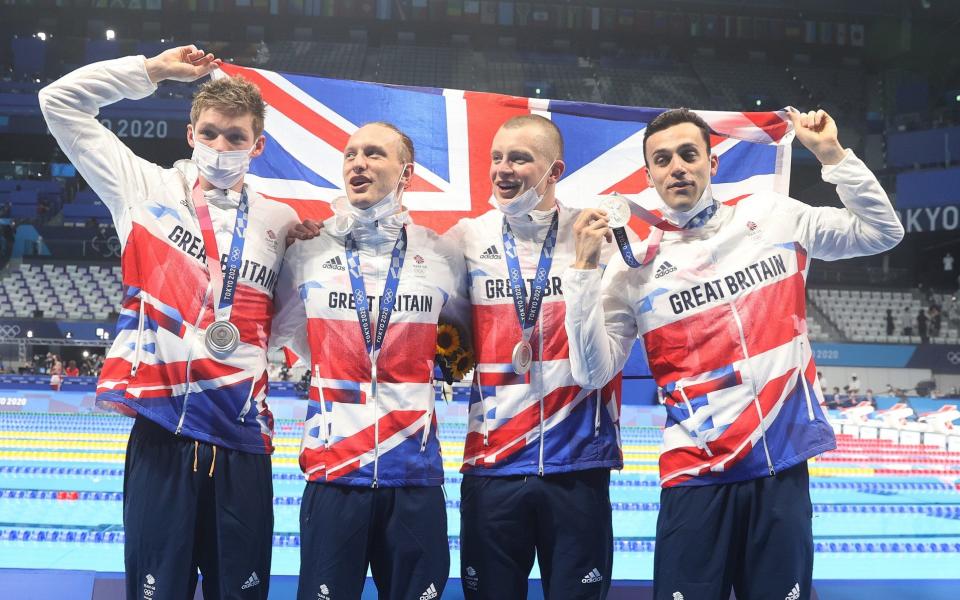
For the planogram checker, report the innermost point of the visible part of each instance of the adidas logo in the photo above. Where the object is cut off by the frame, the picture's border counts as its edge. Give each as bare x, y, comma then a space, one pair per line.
664, 269
677, 596
251, 581
592, 577
794, 594
430, 593
334, 263
491, 253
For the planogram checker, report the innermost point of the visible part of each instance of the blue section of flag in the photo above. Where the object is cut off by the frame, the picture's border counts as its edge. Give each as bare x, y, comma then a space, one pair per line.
276, 162
422, 116
586, 138
745, 160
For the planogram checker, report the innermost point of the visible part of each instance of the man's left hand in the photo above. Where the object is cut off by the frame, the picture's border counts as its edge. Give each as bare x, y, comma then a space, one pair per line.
817, 131
307, 230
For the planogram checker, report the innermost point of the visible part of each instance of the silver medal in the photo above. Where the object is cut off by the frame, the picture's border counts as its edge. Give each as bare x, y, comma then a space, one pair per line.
617, 209
522, 357
222, 337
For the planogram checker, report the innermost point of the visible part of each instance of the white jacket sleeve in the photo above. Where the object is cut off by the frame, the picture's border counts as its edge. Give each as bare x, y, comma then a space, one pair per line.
600, 322
866, 225
289, 326
70, 106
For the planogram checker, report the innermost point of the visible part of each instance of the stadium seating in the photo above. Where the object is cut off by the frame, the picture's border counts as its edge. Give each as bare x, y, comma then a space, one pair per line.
61, 291
860, 315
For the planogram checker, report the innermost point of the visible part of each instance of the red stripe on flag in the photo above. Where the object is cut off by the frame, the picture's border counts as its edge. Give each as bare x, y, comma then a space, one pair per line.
631, 184
316, 209
769, 122
304, 116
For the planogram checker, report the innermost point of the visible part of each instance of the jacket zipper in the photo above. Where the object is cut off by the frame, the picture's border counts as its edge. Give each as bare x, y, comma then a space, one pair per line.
323, 407
696, 434
139, 344
596, 417
803, 381
483, 409
426, 430
246, 405
756, 399
196, 326
374, 393
539, 364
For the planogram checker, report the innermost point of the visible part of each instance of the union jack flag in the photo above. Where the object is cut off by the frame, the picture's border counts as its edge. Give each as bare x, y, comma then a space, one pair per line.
309, 120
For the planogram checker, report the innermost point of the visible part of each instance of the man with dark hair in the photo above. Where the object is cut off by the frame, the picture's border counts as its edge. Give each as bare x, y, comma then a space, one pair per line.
201, 253
539, 448
720, 307
361, 302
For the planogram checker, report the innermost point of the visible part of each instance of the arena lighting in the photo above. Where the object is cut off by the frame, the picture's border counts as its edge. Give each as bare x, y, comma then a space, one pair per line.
41, 36
758, 102
69, 335
537, 91
958, 98
106, 335
111, 34
29, 333
86, 354
99, 332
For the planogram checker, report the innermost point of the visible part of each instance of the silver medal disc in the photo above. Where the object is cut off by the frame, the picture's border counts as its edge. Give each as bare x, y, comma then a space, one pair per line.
617, 209
522, 357
222, 337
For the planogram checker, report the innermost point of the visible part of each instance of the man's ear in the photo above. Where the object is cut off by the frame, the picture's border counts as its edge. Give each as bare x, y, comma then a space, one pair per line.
556, 171
714, 164
190, 139
407, 176
259, 146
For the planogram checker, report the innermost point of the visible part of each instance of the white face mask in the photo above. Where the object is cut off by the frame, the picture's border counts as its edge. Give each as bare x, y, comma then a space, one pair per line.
386, 206
681, 218
524, 202
222, 169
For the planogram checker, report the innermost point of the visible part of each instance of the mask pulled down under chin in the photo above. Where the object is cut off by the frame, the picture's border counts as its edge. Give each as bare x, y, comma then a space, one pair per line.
222, 169
525, 202
346, 214
681, 218
519, 206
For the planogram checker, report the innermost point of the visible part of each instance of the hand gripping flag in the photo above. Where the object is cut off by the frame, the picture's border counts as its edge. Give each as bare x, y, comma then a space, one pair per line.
309, 120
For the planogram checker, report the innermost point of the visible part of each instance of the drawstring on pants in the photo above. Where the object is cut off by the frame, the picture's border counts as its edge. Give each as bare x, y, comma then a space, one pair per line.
213, 461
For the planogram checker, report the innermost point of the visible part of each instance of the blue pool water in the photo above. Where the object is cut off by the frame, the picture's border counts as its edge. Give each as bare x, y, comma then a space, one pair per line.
61, 504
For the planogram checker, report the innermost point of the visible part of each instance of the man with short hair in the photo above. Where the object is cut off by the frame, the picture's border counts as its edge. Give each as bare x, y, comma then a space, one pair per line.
361, 302
201, 253
539, 448
724, 330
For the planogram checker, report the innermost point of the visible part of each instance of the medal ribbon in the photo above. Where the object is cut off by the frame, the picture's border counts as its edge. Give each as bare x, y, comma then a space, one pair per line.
658, 226
387, 301
528, 314
224, 278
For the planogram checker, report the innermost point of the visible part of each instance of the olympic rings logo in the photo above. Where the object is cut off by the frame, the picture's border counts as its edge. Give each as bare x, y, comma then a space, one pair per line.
9, 330
954, 358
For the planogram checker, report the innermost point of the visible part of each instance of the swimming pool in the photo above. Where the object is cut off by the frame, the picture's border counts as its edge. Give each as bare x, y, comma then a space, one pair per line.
874, 517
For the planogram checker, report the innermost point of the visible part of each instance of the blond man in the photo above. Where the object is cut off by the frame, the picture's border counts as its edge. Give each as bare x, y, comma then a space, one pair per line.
201, 253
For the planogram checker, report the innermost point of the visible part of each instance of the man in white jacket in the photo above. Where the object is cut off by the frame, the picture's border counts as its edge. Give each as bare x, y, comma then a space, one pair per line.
201, 254
719, 302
